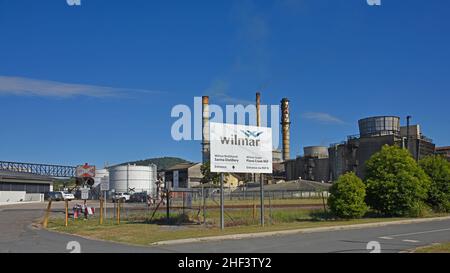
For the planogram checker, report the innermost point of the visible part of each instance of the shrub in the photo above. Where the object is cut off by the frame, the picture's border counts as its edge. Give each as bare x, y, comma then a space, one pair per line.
419, 209
347, 197
395, 182
438, 169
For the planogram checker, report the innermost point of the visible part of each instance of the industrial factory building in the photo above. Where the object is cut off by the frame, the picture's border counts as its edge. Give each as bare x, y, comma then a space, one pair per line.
184, 175
322, 164
375, 132
313, 166
21, 186
444, 151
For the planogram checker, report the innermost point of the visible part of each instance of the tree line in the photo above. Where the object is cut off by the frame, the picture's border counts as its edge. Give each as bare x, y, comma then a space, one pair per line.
395, 185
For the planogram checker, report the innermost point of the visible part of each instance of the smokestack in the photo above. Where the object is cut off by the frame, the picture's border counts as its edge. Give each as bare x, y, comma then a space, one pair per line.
257, 177
258, 109
205, 129
285, 127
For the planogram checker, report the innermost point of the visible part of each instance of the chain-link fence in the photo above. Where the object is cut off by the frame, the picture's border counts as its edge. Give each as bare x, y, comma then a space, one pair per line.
202, 206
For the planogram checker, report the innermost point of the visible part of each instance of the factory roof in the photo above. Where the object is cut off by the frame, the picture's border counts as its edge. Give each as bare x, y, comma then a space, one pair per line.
181, 166
7, 174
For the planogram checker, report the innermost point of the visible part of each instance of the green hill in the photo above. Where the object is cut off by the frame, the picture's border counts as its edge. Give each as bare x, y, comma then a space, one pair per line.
161, 162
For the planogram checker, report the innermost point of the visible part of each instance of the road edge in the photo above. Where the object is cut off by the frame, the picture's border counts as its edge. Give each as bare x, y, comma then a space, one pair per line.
295, 231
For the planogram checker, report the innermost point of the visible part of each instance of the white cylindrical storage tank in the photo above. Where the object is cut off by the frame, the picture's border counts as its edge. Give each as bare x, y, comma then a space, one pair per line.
132, 178
316, 151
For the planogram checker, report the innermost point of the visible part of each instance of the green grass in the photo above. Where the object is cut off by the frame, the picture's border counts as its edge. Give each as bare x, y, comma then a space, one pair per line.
137, 229
440, 248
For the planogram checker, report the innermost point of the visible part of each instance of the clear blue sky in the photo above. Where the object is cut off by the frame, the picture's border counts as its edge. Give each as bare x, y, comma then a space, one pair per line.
96, 83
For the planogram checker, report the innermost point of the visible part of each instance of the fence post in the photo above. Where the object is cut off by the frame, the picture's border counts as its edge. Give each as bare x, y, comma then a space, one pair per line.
66, 208
204, 205
261, 197
118, 211
323, 200
270, 209
101, 210
47, 214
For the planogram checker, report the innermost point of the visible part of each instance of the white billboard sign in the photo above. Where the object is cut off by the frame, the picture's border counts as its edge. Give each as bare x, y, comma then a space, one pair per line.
240, 148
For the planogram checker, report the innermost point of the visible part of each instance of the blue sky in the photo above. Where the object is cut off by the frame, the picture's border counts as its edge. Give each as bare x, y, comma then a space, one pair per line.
96, 83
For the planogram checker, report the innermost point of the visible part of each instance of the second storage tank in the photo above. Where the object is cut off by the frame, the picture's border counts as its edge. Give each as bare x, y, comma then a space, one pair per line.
316, 151
378, 126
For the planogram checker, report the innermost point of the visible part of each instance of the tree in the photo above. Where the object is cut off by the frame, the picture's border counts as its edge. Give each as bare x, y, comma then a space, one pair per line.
208, 176
438, 169
396, 185
347, 196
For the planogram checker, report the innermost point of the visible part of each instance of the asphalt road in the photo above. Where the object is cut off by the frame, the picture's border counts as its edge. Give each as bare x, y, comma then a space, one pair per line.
18, 235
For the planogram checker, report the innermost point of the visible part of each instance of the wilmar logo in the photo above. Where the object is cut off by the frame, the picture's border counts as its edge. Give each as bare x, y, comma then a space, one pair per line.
73, 2
249, 133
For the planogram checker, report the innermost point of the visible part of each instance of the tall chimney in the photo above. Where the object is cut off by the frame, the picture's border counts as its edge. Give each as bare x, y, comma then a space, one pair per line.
257, 177
258, 109
285, 127
205, 129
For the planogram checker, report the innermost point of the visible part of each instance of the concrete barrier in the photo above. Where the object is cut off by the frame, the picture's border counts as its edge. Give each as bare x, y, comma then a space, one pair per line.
12, 196
34, 197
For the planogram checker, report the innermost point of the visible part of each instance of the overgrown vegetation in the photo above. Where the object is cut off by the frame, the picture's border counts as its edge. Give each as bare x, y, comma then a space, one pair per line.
60, 184
208, 176
347, 197
396, 185
438, 248
438, 169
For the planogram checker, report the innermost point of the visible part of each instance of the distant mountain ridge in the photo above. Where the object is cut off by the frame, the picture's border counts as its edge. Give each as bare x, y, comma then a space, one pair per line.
161, 162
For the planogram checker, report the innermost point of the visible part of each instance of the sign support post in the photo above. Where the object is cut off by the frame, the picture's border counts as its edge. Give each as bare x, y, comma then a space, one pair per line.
104, 187
118, 211
222, 206
261, 193
105, 204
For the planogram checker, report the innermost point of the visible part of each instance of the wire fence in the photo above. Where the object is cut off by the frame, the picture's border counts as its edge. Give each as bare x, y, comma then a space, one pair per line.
202, 207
